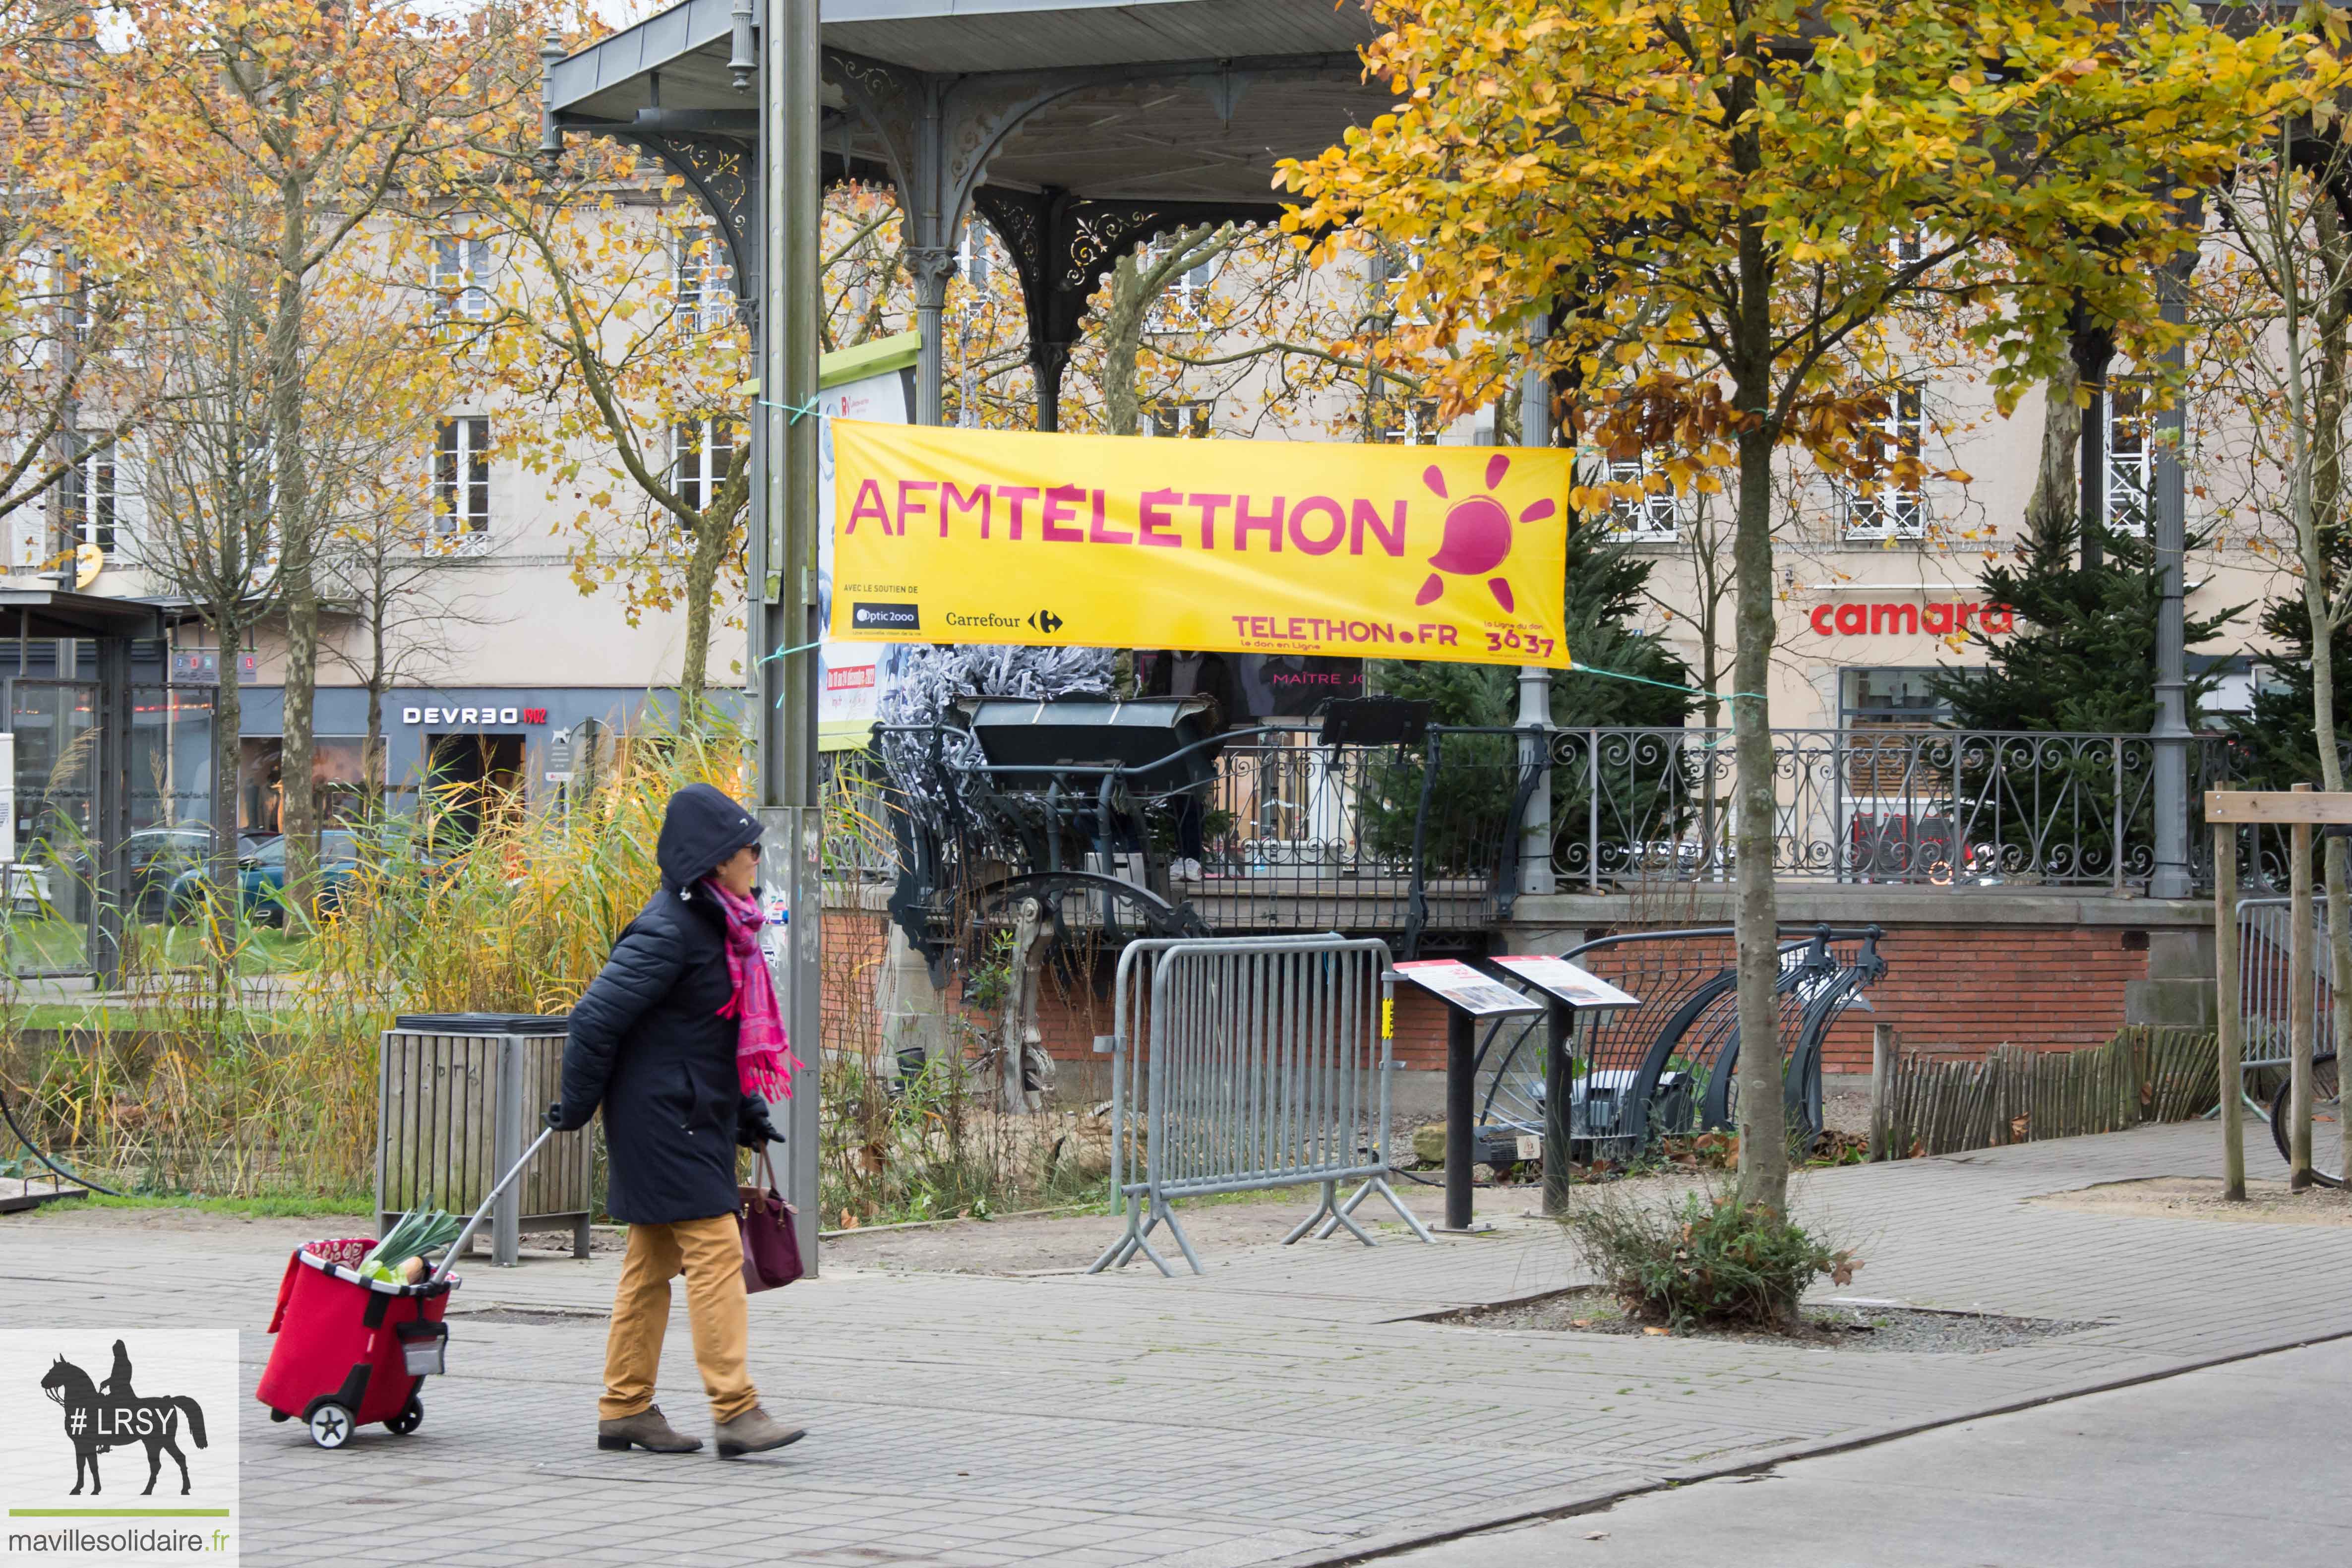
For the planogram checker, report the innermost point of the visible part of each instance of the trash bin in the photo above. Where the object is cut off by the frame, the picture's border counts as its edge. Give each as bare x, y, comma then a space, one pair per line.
459, 1096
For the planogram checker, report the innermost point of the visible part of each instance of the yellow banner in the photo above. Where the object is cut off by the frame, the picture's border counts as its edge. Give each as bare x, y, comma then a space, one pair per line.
978, 536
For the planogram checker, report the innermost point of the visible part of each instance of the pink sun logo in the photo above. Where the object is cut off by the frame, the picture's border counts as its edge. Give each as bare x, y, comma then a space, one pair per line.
1478, 535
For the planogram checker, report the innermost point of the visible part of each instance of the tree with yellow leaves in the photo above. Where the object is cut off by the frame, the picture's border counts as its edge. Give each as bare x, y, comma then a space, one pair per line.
616, 330
1716, 204
307, 122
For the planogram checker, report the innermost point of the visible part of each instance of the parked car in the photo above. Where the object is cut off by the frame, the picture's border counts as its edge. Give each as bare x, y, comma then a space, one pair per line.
31, 892
160, 858
261, 877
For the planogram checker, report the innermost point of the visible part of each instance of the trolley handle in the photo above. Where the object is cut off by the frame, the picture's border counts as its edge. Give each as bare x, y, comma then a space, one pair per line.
449, 1258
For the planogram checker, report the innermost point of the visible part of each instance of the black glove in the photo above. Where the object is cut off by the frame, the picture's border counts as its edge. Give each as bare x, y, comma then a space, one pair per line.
753, 1127
562, 1123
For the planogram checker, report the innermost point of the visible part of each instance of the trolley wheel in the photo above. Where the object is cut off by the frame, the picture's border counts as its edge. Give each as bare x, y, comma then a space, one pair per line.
2326, 1118
279, 1415
331, 1425
411, 1413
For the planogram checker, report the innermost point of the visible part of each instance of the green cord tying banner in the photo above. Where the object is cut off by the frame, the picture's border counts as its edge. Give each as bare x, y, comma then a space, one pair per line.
1660, 685
797, 410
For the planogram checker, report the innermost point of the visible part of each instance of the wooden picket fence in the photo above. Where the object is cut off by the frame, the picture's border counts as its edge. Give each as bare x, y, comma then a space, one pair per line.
1933, 1106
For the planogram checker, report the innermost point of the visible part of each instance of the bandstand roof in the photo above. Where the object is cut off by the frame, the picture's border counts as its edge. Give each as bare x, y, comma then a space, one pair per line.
1169, 100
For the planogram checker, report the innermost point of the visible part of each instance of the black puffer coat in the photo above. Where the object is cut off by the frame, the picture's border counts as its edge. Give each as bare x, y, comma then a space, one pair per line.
646, 1041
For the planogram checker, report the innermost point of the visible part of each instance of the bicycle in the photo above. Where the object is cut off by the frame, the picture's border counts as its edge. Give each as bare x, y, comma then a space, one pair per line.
2327, 1111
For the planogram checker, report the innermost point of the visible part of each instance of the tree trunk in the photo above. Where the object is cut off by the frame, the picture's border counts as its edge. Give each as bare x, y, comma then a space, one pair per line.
1763, 1125
290, 507
2323, 601
2055, 492
1122, 333
229, 752
2094, 350
701, 578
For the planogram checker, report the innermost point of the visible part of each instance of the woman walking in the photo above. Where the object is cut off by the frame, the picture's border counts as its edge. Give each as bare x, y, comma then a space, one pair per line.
680, 1042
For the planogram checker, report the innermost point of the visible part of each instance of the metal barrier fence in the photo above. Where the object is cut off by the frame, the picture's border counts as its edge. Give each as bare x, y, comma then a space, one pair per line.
1254, 1062
2266, 987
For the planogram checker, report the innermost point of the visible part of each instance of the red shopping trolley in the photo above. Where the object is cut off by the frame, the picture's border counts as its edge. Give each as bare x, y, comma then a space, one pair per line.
351, 1351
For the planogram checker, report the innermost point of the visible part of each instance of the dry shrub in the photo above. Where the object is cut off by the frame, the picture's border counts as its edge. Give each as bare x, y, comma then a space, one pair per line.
1708, 1258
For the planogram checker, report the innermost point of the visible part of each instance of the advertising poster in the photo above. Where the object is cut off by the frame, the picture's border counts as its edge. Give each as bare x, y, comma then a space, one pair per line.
866, 383
1252, 547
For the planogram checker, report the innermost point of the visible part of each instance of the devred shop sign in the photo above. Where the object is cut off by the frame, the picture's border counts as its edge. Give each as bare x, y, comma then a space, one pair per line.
1295, 547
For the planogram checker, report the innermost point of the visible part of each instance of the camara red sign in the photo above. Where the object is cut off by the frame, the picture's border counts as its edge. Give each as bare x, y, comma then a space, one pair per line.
1941, 620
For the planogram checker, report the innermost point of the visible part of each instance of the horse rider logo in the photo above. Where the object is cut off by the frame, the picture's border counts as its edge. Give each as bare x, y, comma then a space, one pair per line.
111, 1415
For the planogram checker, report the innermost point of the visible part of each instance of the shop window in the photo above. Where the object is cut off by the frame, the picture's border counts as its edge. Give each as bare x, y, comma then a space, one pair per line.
1891, 510
2131, 457
1178, 416
339, 781
461, 476
701, 451
1890, 696
471, 783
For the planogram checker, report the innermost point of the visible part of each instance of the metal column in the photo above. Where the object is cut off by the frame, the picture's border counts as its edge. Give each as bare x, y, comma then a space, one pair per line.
2169, 877
506, 1150
782, 562
110, 825
1535, 681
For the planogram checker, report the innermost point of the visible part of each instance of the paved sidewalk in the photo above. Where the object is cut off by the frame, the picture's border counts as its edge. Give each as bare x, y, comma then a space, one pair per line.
2239, 1463
1284, 1410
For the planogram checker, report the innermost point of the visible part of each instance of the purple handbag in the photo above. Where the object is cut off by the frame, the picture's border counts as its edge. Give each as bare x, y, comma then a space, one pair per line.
771, 1253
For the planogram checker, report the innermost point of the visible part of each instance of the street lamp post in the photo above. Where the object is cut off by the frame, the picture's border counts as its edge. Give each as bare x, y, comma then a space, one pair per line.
782, 550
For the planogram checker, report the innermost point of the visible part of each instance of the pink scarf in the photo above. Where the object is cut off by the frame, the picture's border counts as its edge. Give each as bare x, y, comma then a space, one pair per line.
764, 1063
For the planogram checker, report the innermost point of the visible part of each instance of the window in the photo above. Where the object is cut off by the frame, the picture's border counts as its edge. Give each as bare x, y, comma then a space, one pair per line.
1174, 418
2129, 459
89, 499
1652, 517
1185, 297
461, 476
461, 271
1900, 696
1893, 510
971, 254
1419, 428
705, 285
701, 452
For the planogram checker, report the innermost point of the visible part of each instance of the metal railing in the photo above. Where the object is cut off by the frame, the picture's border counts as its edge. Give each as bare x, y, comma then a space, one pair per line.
1930, 807
1290, 834
1256, 1062
1286, 834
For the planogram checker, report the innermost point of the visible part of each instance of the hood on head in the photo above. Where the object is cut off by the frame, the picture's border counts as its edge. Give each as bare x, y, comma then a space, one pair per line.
700, 829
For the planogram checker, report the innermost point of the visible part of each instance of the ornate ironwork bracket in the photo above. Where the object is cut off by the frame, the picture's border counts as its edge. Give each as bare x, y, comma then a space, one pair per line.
1063, 246
722, 177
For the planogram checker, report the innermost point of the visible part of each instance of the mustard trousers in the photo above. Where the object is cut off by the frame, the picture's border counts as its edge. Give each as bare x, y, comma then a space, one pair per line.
710, 1253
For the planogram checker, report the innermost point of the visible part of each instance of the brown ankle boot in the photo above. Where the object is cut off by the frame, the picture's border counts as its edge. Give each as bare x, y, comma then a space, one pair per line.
648, 1429
753, 1432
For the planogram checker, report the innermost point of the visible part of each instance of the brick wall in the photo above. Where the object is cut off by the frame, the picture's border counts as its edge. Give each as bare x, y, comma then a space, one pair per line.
1970, 988
1946, 987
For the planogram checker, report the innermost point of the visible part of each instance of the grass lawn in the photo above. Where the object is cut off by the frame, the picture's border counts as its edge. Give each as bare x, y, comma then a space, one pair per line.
34, 943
